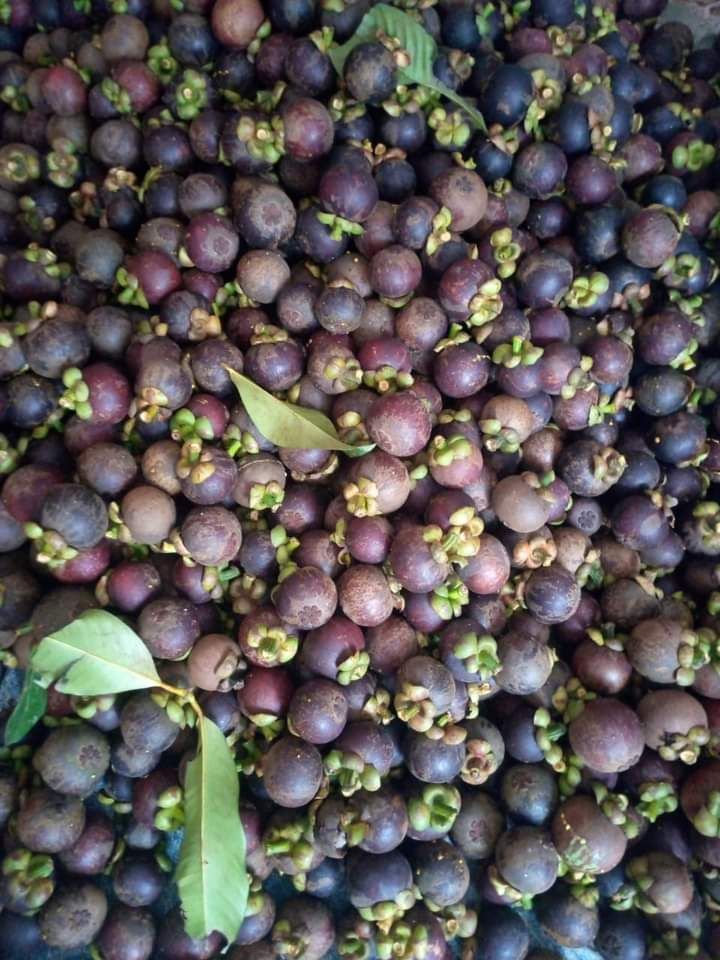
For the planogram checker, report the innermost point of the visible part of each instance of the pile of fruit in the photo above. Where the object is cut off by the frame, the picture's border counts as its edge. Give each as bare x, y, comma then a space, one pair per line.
360, 456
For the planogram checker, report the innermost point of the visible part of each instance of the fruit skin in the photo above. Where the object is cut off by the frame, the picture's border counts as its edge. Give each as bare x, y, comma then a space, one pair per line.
364, 595
529, 793
526, 663
73, 760
600, 669
73, 917
464, 194
145, 726
653, 648
49, 822
235, 22
149, 513
621, 937
137, 882
667, 712
585, 838
127, 934
370, 73
372, 880
649, 238
308, 919
318, 711
400, 424
526, 859
169, 627
307, 598
91, 854
76, 513
173, 940
292, 771
518, 505
696, 791
413, 562
671, 889
214, 662
552, 594
503, 933
569, 922
607, 736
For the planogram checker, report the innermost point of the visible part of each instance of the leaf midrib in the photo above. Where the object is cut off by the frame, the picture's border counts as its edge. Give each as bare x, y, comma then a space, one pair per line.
203, 777
113, 664
91, 653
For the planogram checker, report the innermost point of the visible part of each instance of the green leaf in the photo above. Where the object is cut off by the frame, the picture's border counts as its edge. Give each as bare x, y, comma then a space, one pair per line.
28, 710
94, 655
415, 41
288, 425
211, 874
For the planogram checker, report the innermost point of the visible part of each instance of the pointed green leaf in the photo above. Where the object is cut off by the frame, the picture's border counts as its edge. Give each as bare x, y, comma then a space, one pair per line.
28, 710
211, 875
415, 41
94, 655
288, 425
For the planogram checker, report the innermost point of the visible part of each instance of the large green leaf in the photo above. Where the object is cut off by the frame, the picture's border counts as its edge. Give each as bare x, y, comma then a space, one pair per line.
94, 655
415, 41
28, 710
288, 425
211, 875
